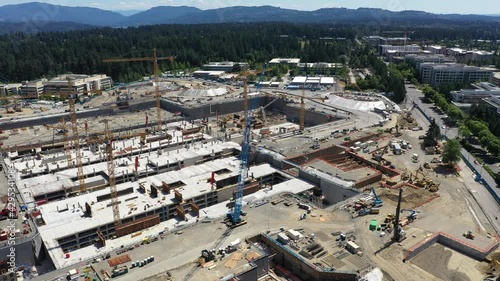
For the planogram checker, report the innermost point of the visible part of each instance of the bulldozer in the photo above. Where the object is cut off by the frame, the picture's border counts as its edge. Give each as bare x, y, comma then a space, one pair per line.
469, 235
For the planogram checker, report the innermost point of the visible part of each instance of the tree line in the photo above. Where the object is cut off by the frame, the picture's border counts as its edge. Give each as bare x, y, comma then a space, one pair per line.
33, 56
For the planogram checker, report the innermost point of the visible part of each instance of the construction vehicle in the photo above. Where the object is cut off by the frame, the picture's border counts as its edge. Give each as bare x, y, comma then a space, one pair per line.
413, 214
469, 235
377, 202
235, 215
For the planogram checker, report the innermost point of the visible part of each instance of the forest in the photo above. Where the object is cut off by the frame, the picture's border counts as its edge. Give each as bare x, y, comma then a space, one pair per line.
33, 56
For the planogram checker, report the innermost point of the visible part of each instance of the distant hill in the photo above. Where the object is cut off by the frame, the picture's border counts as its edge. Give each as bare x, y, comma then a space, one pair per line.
159, 15
128, 13
43, 13
12, 27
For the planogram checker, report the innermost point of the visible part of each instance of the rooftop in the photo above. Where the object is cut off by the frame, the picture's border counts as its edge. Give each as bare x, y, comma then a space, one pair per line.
57, 215
285, 60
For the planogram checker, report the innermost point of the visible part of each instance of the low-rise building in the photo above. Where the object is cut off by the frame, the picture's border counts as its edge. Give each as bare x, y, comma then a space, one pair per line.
417, 59
205, 74
226, 66
307, 82
319, 67
33, 88
493, 104
80, 83
405, 48
472, 96
496, 78
436, 50
287, 61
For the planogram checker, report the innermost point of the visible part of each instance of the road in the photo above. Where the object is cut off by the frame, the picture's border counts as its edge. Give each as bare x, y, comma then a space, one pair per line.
481, 194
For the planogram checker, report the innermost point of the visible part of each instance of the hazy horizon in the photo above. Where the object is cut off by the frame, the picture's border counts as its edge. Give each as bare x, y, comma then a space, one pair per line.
484, 7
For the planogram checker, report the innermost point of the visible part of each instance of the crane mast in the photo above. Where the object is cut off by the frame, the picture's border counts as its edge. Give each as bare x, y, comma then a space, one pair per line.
235, 215
67, 145
76, 139
155, 60
112, 176
302, 110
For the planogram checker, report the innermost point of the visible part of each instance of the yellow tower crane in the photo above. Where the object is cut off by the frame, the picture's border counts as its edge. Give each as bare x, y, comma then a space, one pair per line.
112, 176
155, 60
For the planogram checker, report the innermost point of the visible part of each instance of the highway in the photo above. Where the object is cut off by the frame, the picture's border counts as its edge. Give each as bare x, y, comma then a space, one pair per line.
482, 195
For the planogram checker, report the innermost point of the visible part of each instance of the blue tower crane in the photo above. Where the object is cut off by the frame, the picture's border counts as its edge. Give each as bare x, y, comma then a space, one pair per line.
377, 202
235, 215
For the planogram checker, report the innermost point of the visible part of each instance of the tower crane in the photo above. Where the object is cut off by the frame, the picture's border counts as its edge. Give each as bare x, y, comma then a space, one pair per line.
76, 139
112, 176
302, 109
235, 215
155, 60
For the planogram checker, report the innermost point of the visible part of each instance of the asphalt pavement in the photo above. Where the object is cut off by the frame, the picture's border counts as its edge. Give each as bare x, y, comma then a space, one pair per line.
481, 193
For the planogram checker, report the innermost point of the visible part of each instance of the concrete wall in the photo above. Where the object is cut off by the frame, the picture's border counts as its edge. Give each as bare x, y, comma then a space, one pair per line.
335, 193
452, 243
211, 110
311, 118
300, 267
369, 179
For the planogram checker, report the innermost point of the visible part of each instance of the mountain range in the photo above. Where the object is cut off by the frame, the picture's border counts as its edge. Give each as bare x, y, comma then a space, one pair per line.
40, 15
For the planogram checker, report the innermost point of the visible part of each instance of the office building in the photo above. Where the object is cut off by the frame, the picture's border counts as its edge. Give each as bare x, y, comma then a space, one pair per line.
404, 49
33, 88
436, 50
80, 83
471, 96
493, 104
446, 73
287, 61
417, 59
319, 67
226, 66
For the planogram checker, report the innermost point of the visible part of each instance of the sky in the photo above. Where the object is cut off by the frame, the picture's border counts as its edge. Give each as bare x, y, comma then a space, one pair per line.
433, 6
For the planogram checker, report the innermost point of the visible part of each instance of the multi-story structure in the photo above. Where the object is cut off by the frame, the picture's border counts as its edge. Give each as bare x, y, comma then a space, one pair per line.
226, 66
471, 96
493, 104
439, 74
403, 49
436, 50
3, 90
33, 88
80, 83
376, 40
288, 61
417, 59
496, 78
474, 56
319, 67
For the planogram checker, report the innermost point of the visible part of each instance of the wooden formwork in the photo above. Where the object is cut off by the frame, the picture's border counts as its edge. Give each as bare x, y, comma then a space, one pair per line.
137, 225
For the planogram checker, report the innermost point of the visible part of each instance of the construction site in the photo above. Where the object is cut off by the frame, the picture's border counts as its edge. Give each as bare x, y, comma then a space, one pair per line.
193, 180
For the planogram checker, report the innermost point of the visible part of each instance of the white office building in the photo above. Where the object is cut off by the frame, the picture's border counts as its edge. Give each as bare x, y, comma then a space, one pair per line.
447, 73
226, 66
404, 49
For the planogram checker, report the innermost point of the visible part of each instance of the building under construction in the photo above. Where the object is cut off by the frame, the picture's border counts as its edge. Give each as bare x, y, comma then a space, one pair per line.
159, 182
